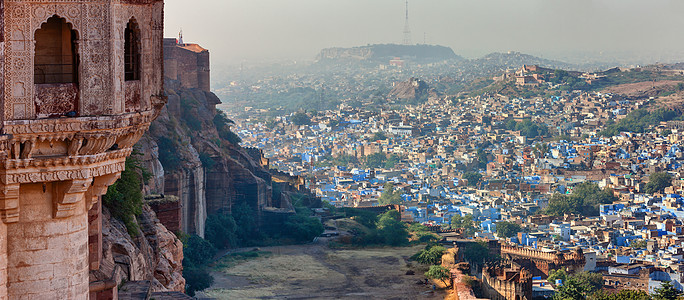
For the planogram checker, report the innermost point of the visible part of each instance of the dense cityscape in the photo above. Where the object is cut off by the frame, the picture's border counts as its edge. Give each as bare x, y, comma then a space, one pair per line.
594, 169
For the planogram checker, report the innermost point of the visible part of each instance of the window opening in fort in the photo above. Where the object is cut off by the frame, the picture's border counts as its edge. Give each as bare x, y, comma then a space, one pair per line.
56, 58
132, 51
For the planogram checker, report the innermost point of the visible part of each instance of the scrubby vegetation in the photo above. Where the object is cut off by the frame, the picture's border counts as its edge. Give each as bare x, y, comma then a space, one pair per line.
584, 200
657, 182
377, 230
639, 120
431, 255
124, 197
198, 253
528, 128
507, 229
390, 195
466, 222
168, 153
222, 124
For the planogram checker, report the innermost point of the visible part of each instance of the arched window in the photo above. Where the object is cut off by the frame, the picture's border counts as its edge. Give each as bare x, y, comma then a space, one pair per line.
56, 57
132, 51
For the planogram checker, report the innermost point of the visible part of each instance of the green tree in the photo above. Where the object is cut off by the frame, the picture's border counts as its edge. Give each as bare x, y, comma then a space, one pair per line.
197, 253
666, 291
557, 274
621, 295
482, 158
594, 281
422, 234
572, 289
440, 273
478, 253
389, 195
168, 154
376, 160
577, 286
466, 222
472, 177
507, 229
392, 160
220, 230
196, 279
639, 120
657, 182
302, 227
300, 118
391, 229
245, 218
431, 255
222, 124
378, 136
585, 200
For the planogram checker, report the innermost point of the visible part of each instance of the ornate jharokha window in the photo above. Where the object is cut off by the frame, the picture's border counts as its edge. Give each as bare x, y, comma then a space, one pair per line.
132, 51
56, 57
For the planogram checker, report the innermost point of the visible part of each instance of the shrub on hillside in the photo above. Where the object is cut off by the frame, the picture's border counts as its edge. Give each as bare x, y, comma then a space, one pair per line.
124, 197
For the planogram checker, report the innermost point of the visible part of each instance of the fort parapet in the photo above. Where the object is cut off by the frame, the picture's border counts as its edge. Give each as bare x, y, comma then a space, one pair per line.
501, 283
540, 262
81, 82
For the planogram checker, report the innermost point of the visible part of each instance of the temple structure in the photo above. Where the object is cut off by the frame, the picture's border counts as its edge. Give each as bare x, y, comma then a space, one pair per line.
81, 82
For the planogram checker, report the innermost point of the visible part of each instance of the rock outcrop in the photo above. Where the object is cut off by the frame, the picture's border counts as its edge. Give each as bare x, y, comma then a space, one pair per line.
155, 255
413, 90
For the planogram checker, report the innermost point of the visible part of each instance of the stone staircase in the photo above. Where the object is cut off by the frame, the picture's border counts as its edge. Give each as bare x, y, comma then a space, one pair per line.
142, 290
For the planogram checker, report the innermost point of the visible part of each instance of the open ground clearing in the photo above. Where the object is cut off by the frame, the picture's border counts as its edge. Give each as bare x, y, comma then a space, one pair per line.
315, 271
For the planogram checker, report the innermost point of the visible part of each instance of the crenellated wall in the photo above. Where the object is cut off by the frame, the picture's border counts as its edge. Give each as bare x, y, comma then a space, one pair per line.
506, 284
540, 262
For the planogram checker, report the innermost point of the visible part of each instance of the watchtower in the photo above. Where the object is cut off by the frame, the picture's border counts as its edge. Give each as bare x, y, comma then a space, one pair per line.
80, 83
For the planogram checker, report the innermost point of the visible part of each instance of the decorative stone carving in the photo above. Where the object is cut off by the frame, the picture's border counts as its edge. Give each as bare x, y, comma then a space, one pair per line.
67, 194
56, 100
99, 188
75, 136
9, 203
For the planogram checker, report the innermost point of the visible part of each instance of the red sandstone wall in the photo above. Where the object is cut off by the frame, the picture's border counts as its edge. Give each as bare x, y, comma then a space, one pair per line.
169, 214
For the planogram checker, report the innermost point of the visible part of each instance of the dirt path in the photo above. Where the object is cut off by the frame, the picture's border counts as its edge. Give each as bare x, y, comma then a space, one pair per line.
315, 271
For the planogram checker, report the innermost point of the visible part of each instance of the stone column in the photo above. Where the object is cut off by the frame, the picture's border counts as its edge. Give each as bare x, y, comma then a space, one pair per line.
47, 256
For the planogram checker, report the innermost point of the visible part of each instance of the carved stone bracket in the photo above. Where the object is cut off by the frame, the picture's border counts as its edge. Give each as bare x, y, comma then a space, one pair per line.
9, 203
99, 188
67, 195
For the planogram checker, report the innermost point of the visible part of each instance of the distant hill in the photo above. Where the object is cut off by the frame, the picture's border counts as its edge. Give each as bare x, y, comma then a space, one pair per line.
385, 52
517, 59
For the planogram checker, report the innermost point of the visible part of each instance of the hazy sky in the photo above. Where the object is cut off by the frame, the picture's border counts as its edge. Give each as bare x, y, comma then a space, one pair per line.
235, 30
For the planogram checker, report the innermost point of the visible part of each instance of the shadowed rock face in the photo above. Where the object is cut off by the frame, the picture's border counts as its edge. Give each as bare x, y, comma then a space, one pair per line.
156, 254
212, 174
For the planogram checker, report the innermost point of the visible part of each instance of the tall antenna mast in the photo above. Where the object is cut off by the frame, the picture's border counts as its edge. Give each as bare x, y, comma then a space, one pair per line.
407, 29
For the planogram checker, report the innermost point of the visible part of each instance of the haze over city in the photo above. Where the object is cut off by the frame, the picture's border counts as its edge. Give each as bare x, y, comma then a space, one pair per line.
600, 30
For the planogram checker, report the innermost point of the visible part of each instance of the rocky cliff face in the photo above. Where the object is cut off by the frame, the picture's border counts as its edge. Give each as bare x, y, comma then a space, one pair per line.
155, 254
194, 156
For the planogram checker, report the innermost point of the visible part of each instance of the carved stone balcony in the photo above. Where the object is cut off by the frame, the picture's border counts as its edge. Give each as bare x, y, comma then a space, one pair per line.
81, 156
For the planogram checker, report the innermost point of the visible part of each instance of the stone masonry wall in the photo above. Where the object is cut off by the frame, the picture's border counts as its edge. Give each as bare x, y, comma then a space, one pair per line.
3, 260
47, 255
